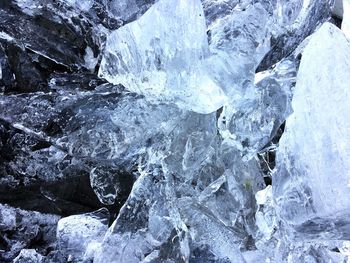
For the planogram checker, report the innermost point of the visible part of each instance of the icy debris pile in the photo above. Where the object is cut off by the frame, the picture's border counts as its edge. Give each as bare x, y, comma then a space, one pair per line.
174, 131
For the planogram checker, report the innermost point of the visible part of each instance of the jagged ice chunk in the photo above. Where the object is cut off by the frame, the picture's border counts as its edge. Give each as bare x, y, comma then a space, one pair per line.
313, 178
159, 56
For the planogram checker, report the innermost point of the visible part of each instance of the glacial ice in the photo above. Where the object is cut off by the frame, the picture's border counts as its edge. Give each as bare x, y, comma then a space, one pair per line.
312, 178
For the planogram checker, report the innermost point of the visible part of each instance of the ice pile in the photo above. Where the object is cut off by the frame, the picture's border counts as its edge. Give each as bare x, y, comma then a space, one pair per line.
201, 188
228, 119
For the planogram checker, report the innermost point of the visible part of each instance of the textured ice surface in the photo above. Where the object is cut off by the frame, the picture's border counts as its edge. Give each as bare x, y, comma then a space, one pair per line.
237, 48
19, 228
127, 10
28, 256
78, 235
174, 205
249, 126
160, 55
182, 153
311, 15
313, 160
172, 61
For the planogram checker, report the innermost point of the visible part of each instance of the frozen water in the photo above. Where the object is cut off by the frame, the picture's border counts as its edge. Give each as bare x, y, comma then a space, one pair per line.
194, 129
128, 10
28, 256
173, 62
174, 205
288, 11
345, 26
313, 159
161, 58
237, 49
287, 37
19, 228
84, 5
78, 234
249, 126
338, 8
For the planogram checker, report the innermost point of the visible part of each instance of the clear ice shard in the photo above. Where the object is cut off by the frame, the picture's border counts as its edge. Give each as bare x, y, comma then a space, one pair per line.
206, 87
313, 179
78, 236
236, 49
252, 123
159, 56
127, 10
306, 17
168, 57
191, 190
338, 8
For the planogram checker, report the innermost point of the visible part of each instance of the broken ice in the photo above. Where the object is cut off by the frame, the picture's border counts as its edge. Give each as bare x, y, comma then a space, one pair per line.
312, 180
181, 154
159, 55
78, 235
166, 55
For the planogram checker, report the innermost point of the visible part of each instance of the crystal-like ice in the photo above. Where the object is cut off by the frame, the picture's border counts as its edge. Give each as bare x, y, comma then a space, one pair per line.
128, 10
174, 206
20, 228
135, 230
288, 37
172, 62
159, 55
195, 112
313, 159
338, 8
237, 48
250, 125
